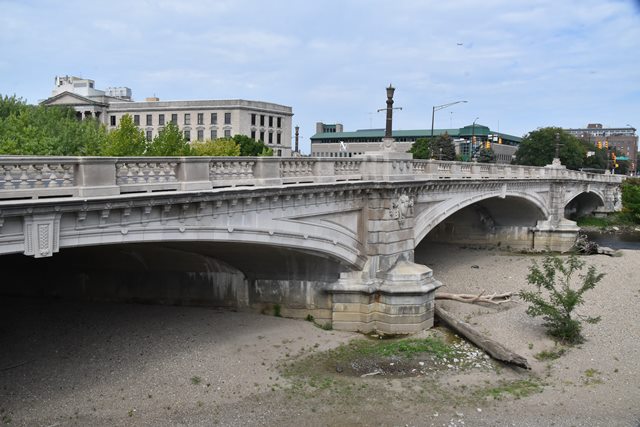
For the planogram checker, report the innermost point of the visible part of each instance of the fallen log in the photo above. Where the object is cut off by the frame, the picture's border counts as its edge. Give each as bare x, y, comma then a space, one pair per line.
473, 299
491, 347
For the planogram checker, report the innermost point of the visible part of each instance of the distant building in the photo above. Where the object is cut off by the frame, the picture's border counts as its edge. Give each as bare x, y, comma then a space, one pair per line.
198, 120
624, 140
330, 140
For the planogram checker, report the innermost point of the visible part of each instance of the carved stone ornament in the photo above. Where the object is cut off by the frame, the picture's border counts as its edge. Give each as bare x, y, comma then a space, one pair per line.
400, 208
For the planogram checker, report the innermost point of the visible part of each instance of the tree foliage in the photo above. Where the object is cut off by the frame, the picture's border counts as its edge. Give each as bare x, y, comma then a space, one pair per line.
125, 140
251, 147
559, 299
539, 146
169, 142
421, 149
440, 148
217, 147
443, 148
486, 155
47, 131
631, 199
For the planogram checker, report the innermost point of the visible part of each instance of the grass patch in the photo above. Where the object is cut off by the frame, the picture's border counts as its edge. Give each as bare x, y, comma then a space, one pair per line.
276, 310
549, 354
196, 380
592, 221
516, 389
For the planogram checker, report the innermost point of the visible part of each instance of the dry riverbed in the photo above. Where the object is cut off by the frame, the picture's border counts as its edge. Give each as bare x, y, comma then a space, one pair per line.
77, 363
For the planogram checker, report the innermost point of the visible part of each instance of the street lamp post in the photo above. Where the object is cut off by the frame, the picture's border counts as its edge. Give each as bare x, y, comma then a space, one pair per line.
440, 107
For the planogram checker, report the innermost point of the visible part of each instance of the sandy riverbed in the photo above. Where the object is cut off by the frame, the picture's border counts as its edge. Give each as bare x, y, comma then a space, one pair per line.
69, 363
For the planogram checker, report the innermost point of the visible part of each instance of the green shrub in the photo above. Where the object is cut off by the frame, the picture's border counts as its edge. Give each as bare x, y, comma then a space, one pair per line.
557, 304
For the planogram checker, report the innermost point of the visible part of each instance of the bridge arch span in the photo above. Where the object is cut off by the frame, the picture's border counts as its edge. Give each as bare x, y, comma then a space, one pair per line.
324, 243
430, 218
583, 202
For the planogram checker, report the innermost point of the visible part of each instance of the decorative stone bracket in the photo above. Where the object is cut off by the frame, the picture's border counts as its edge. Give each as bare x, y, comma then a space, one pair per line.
42, 235
400, 208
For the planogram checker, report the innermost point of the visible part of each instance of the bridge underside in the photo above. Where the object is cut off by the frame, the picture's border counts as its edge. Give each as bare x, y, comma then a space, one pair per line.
494, 222
191, 273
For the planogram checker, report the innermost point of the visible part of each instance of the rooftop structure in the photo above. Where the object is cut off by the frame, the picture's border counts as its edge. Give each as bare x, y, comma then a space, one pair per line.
331, 141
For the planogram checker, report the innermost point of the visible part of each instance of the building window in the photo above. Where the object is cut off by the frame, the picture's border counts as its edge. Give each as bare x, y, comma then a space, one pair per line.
278, 138
149, 135
261, 119
279, 122
262, 136
270, 138
161, 120
174, 119
200, 134
200, 118
253, 119
187, 118
214, 118
279, 153
253, 134
214, 134
187, 135
270, 121
112, 120
227, 118
136, 119
227, 133
149, 120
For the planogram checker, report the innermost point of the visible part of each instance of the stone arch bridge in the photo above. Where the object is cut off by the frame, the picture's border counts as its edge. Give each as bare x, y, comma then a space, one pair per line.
333, 238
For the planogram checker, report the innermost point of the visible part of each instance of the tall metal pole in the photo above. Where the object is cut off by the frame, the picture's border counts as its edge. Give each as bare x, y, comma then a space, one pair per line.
440, 107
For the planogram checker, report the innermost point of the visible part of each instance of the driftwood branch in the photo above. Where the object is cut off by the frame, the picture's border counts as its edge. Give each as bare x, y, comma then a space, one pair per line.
493, 348
473, 299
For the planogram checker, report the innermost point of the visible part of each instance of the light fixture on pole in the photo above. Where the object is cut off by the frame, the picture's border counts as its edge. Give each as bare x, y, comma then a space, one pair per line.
440, 107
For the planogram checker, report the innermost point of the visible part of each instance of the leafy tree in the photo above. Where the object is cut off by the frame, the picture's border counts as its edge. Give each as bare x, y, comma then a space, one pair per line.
266, 152
218, 147
125, 140
486, 155
169, 142
631, 199
539, 146
251, 147
443, 148
47, 131
421, 149
557, 306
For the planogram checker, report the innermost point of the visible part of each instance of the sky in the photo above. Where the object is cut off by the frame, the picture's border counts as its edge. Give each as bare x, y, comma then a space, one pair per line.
519, 64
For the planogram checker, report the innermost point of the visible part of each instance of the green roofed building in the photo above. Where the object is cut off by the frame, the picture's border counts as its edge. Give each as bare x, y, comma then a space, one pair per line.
330, 140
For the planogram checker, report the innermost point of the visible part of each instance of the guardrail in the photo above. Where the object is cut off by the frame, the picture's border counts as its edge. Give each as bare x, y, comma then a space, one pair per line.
24, 177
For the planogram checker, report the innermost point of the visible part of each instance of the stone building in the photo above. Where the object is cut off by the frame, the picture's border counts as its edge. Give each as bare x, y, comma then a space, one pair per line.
623, 139
198, 119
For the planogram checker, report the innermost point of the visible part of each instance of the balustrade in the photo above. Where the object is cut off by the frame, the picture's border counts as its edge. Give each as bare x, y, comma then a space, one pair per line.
33, 177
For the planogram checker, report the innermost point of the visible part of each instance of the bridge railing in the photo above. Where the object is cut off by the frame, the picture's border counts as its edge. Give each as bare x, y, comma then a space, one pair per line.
433, 169
38, 177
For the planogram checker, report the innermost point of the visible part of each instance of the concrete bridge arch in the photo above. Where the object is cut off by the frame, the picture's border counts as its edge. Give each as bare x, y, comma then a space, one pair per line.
429, 218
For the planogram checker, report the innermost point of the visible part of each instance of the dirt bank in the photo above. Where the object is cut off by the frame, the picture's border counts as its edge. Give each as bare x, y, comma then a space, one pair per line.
71, 363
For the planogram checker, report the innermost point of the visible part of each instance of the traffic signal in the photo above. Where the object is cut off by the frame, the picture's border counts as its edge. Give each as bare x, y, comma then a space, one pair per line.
487, 145
599, 145
473, 139
500, 140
